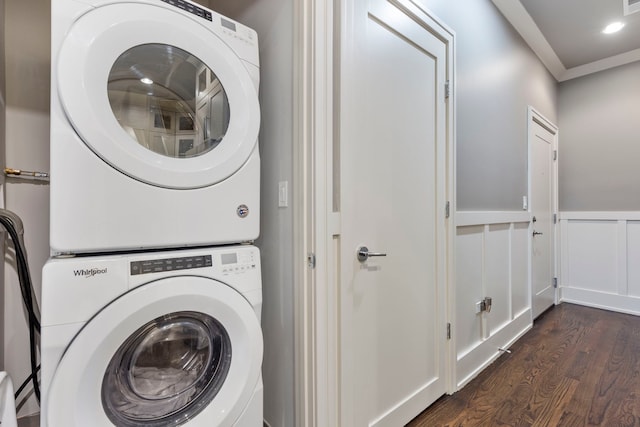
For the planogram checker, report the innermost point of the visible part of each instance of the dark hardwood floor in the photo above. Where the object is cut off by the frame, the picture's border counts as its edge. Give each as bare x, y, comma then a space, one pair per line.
578, 366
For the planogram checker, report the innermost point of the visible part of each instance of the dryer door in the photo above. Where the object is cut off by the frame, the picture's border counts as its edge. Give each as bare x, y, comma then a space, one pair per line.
158, 95
171, 351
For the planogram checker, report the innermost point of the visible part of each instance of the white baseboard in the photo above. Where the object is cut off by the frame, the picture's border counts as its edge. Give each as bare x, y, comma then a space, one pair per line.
469, 367
603, 300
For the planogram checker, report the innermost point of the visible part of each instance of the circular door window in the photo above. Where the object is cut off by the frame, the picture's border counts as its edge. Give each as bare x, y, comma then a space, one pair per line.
165, 353
157, 95
167, 371
168, 101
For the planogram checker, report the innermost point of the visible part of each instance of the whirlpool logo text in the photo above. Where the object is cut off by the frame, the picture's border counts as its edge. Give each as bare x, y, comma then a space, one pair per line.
90, 272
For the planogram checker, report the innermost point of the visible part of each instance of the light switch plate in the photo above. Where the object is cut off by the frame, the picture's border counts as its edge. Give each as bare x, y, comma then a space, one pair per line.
283, 194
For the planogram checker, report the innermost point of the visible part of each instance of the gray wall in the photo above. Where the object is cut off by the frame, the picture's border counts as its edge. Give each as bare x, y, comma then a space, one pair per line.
498, 76
273, 20
600, 141
27, 58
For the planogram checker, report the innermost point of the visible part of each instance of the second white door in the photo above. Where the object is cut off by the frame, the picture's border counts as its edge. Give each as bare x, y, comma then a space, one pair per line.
542, 146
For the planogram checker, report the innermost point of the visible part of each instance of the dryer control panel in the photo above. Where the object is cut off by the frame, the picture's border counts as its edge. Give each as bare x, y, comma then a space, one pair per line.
233, 31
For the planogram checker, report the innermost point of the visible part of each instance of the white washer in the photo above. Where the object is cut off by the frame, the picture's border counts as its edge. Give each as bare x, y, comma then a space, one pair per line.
167, 338
154, 126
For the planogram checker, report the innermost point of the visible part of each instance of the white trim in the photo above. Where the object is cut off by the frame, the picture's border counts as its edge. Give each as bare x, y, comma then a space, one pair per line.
488, 350
316, 379
305, 383
606, 301
520, 19
600, 216
630, 8
564, 248
447, 35
623, 258
601, 65
471, 218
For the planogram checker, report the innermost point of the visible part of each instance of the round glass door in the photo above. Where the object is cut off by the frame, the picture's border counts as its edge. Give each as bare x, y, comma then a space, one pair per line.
158, 96
168, 101
166, 353
167, 371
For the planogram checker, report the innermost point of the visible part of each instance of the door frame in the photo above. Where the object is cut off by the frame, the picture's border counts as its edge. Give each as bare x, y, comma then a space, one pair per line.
534, 115
318, 382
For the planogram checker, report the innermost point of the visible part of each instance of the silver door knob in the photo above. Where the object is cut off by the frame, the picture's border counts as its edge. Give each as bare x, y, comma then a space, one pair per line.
536, 233
364, 254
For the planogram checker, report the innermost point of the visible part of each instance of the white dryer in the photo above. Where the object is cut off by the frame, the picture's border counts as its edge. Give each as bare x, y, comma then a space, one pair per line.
167, 338
154, 126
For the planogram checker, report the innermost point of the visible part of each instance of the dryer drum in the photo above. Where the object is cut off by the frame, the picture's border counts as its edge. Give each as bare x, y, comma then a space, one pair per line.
187, 104
167, 371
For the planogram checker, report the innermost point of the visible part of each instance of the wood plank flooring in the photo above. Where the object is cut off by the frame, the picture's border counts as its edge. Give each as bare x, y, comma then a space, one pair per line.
578, 366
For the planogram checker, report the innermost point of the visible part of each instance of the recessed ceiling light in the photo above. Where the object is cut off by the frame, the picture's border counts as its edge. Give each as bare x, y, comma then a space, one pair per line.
146, 80
613, 28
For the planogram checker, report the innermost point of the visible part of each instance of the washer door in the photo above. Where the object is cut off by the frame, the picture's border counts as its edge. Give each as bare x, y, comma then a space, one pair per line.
165, 353
157, 95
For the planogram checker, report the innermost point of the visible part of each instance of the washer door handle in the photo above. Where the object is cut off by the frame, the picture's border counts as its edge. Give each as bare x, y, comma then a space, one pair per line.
364, 254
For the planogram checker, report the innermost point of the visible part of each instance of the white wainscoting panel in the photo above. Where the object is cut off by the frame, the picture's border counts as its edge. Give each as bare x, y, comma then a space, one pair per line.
497, 257
633, 248
492, 260
469, 273
520, 295
600, 260
592, 256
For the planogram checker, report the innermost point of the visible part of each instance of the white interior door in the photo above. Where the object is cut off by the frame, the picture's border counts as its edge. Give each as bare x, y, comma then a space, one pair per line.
542, 146
393, 141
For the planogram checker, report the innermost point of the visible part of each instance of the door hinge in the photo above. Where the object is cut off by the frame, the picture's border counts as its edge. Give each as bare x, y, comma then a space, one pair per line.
447, 89
555, 218
555, 154
447, 210
448, 331
555, 282
311, 260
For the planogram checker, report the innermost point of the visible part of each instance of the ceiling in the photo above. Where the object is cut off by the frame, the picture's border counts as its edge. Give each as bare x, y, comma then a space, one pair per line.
567, 34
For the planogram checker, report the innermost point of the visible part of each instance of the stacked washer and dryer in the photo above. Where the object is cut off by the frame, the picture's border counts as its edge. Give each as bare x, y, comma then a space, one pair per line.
151, 300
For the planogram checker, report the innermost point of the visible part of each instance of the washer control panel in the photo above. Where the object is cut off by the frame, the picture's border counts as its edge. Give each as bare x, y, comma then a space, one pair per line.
170, 264
191, 8
237, 262
221, 261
